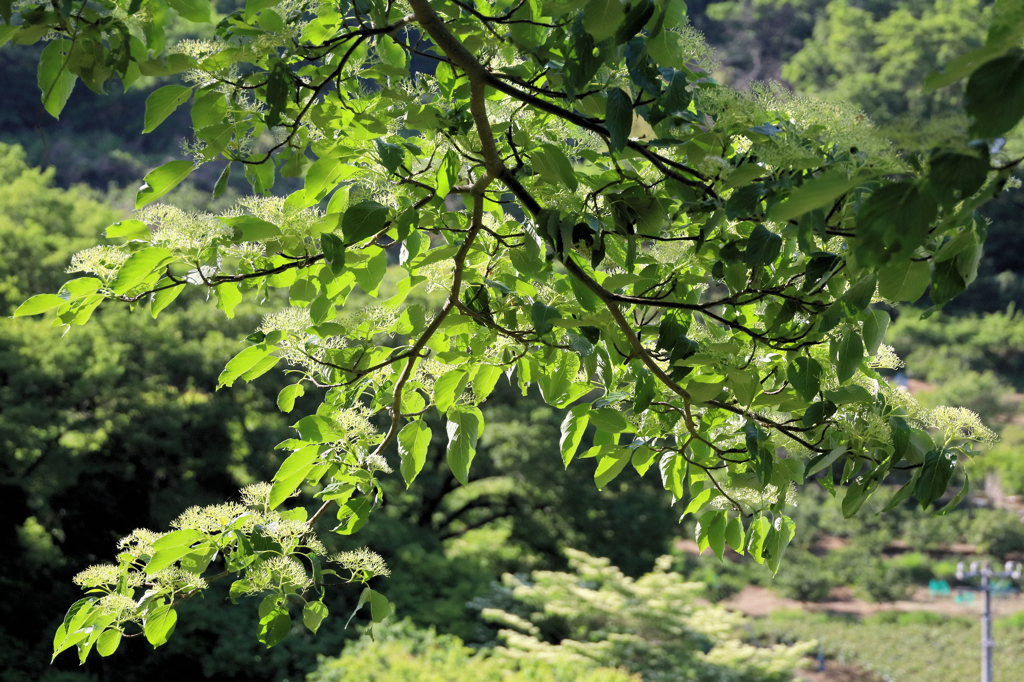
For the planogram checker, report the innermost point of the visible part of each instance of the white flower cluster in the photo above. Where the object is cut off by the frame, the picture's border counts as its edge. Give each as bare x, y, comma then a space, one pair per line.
885, 358
755, 499
181, 231
102, 261
364, 561
278, 571
959, 423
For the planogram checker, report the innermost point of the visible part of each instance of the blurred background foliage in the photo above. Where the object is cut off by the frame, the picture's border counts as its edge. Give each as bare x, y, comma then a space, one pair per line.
117, 426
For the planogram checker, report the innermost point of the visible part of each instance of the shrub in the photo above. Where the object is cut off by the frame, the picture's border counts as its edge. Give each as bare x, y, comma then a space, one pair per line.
881, 581
650, 625
997, 532
906, 618
915, 565
721, 579
1004, 458
401, 653
804, 578
1016, 621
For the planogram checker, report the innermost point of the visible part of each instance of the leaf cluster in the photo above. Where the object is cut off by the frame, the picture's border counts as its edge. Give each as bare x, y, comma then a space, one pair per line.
689, 270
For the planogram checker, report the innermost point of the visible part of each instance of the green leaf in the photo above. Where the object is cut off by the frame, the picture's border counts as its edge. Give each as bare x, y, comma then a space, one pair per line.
673, 472
159, 624
164, 298
286, 398
334, 251
413, 441
55, 80
485, 378
701, 390
553, 166
699, 500
573, 426
712, 528
902, 494
133, 229
619, 111
38, 304
818, 412
463, 430
352, 516
229, 295
744, 202
363, 220
172, 547
637, 16
249, 228
893, 222
805, 376
239, 588
859, 295
162, 180
7, 31
955, 502
994, 96
138, 268
108, 642
776, 541
274, 627
763, 247
162, 102
601, 18
391, 53
819, 192
291, 474
611, 460
959, 67
874, 328
380, 607
935, 474
903, 280
323, 175
954, 177
609, 420
734, 535
317, 429
756, 535
391, 155
314, 613
859, 491
197, 11
448, 173
849, 355
557, 387
542, 316
222, 181
208, 108
643, 458
448, 387
72, 631
242, 363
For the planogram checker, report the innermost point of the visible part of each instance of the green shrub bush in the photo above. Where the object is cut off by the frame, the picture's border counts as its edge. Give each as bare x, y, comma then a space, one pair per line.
997, 532
652, 625
1015, 622
906, 618
402, 653
877, 580
916, 566
805, 577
